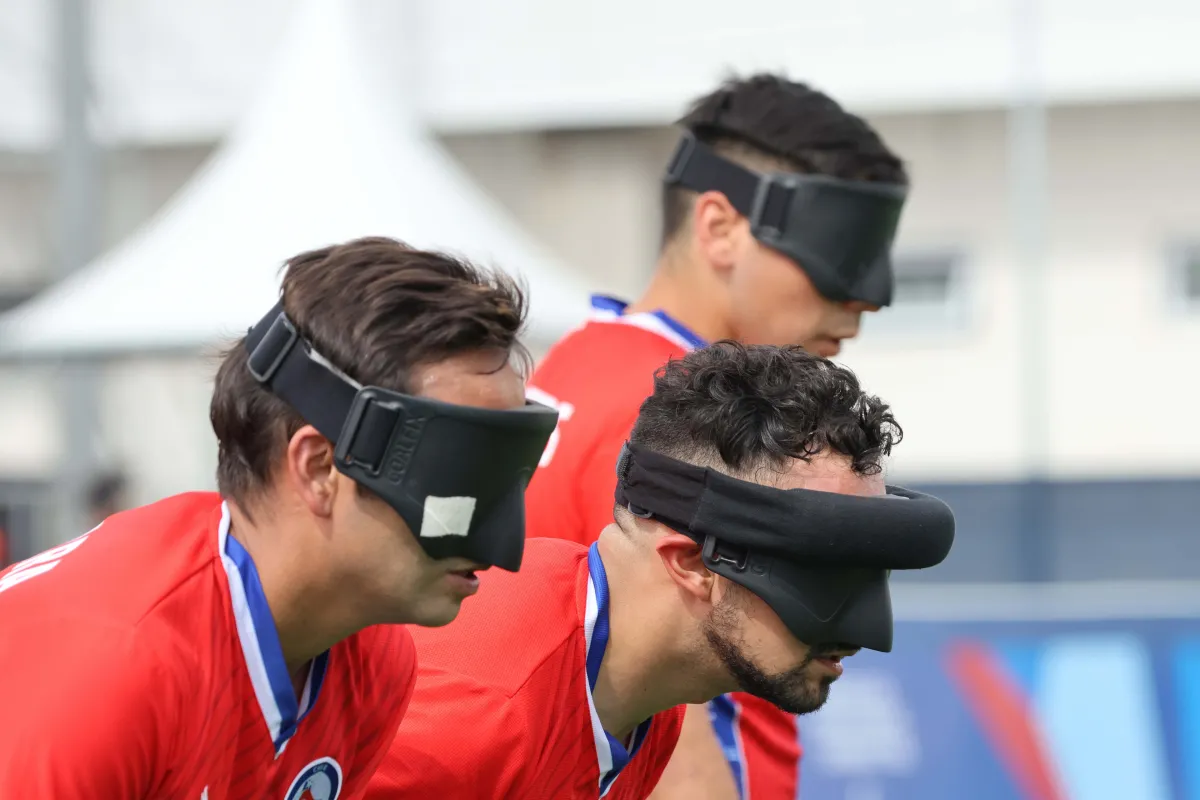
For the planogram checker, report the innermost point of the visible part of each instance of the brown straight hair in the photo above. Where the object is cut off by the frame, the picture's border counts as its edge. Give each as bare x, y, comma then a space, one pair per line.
375, 308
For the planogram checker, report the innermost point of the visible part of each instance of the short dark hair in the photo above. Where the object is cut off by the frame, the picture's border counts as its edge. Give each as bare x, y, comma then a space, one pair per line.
766, 122
741, 408
375, 308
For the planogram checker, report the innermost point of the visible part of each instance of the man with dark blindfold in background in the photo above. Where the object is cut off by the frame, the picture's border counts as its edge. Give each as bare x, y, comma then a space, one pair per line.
751, 551
779, 210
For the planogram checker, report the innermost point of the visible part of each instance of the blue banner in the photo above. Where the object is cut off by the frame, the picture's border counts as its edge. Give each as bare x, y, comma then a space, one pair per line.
1084, 710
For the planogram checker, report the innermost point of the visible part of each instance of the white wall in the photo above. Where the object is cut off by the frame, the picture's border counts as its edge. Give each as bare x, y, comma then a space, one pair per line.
590, 194
30, 437
25, 233
154, 424
1121, 359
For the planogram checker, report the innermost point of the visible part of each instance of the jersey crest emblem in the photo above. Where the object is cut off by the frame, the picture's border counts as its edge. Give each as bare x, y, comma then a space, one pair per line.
319, 780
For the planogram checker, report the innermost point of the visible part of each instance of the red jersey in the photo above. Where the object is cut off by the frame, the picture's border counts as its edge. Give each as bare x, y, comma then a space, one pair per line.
140, 660
597, 377
503, 706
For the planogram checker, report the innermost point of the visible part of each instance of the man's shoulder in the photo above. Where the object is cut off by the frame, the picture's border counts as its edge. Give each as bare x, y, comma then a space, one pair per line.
516, 624
554, 557
461, 737
479, 726
134, 566
620, 346
85, 679
382, 648
611, 357
87, 626
379, 663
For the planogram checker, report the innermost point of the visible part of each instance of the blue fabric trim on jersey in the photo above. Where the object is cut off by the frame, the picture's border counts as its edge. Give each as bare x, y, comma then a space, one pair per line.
316, 678
602, 302
722, 712
272, 651
599, 580
600, 632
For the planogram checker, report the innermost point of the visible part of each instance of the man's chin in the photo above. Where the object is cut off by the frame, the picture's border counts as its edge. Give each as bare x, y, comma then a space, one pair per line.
824, 346
803, 703
432, 614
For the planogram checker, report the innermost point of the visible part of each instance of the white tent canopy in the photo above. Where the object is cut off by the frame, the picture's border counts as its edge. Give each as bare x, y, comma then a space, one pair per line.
321, 158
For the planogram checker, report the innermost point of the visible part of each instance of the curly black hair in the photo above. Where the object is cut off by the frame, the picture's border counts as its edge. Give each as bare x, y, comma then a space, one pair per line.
767, 122
740, 408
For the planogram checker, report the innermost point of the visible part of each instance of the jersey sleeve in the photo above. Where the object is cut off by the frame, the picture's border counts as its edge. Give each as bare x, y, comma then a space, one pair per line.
88, 711
392, 684
597, 478
458, 739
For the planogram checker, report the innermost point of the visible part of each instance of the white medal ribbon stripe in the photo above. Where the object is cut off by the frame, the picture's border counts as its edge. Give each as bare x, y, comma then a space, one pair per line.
603, 751
248, 635
611, 311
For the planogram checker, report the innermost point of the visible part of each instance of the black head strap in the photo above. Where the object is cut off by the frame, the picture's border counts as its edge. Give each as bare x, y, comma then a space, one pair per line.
901, 530
756, 197
285, 363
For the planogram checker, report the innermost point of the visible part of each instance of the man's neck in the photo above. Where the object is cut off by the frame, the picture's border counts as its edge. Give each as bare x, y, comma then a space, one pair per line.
689, 295
306, 605
646, 668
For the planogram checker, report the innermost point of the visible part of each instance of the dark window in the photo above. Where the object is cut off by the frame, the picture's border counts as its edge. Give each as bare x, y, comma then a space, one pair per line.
925, 279
1189, 274
931, 293
24, 519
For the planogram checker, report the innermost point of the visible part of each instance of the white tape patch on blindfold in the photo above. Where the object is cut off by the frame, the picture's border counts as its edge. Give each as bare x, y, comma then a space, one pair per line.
447, 516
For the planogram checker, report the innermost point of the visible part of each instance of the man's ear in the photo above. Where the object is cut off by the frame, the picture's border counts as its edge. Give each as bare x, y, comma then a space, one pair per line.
716, 224
684, 562
309, 470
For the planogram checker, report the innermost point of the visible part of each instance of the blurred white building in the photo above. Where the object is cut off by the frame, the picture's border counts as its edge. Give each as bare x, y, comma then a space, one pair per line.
562, 110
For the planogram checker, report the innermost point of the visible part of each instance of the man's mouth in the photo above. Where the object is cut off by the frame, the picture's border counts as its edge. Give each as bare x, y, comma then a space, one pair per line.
827, 346
468, 571
835, 656
832, 663
464, 582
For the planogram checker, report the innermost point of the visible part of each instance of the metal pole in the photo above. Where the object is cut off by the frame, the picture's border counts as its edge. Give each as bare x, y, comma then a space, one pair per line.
77, 229
1029, 174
